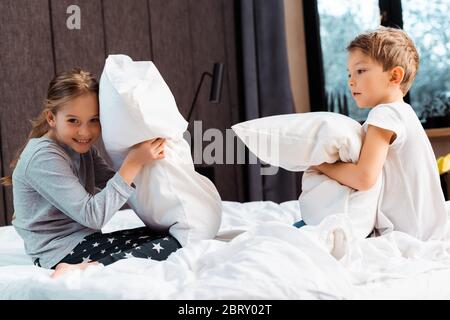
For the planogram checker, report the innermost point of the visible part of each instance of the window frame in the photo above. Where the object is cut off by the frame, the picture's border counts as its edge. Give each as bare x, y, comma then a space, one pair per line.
391, 15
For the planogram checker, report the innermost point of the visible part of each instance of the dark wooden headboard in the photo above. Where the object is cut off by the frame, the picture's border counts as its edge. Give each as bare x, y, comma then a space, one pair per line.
182, 37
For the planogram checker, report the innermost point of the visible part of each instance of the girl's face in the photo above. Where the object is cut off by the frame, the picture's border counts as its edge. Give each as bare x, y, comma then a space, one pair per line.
77, 123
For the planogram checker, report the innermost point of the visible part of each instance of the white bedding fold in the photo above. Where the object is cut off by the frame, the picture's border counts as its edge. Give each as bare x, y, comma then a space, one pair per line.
270, 260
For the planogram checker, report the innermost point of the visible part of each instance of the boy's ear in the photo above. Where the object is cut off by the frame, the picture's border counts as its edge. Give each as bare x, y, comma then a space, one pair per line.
397, 75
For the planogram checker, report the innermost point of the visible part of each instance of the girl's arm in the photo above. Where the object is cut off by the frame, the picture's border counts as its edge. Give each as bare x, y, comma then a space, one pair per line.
139, 155
129, 170
364, 174
50, 174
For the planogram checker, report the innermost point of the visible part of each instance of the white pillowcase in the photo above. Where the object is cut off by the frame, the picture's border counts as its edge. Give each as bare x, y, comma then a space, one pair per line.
137, 105
297, 141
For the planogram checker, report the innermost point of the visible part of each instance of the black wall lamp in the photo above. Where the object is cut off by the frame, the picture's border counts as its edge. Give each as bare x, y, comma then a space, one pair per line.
214, 97
216, 87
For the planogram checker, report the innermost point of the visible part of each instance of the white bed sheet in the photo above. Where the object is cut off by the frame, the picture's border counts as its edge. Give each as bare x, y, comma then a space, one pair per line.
266, 259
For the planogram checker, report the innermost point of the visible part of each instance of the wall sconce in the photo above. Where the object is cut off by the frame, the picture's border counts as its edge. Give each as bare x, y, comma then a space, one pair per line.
216, 87
214, 97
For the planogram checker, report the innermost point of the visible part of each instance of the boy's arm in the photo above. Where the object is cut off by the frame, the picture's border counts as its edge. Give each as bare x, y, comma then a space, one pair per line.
364, 174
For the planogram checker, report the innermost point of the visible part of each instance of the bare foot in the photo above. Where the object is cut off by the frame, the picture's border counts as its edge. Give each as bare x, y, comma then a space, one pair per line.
339, 244
62, 268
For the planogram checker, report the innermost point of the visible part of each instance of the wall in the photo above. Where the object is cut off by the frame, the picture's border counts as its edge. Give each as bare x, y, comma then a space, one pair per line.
183, 38
295, 38
441, 147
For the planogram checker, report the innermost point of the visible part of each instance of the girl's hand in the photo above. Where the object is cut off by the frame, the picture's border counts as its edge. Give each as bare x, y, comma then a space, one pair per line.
147, 152
316, 168
139, 155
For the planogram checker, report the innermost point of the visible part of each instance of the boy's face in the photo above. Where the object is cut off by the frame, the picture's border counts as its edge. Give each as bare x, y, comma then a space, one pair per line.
77, 123
368, 83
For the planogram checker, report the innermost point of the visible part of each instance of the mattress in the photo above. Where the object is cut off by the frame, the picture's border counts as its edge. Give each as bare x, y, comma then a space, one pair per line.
258, 254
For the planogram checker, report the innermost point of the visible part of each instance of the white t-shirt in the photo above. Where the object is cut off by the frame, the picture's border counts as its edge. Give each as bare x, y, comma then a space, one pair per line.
411, 199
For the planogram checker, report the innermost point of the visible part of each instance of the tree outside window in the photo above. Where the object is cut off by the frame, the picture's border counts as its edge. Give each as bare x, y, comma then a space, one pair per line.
340, 22
428, 24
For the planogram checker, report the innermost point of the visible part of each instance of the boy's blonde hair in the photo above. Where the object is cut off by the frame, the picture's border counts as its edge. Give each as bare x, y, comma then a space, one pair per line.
390, 47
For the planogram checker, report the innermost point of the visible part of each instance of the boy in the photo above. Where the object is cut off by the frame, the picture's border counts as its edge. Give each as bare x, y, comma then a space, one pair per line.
382, 65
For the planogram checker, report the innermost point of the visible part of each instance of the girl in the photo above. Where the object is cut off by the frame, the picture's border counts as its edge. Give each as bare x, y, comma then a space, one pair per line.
57, 180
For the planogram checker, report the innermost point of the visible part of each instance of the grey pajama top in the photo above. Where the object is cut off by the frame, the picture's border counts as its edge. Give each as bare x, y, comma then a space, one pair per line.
61, 196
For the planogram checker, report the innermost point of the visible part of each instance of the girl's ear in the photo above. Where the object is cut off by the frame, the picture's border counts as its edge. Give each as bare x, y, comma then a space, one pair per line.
50, 119
397, 75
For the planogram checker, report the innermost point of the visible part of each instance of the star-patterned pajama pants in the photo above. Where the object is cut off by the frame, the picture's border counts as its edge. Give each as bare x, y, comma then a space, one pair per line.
107, 248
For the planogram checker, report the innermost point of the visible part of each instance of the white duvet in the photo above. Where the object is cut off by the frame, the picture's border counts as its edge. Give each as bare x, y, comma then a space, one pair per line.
265, 258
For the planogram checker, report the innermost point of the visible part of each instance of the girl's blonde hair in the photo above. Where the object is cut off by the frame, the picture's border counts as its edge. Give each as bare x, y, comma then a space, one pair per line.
390, 47
63, 87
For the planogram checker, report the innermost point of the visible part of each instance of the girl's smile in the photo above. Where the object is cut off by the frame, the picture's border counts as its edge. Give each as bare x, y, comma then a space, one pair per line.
82, 141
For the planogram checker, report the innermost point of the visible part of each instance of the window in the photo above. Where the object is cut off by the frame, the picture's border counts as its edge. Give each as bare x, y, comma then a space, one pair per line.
340, 22
427, 23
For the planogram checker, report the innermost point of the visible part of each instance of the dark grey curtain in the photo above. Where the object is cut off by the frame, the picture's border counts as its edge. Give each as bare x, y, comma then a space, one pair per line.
3, 216
316, 77
266, 86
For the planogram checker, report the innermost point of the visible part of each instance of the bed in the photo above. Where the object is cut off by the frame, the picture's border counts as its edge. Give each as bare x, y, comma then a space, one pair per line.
257, 255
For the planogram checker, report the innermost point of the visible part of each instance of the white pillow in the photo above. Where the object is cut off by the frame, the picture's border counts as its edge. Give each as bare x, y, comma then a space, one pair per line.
137, 105
298, 141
